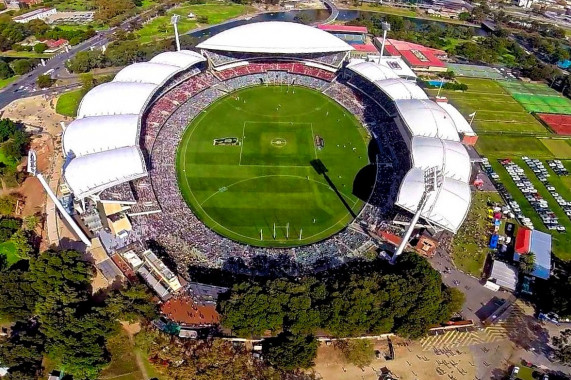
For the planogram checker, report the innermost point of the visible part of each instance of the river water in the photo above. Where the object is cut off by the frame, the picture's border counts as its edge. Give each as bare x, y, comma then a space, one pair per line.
313, 15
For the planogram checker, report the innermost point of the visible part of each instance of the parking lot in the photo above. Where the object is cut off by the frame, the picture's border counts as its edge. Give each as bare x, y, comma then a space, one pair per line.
532, 203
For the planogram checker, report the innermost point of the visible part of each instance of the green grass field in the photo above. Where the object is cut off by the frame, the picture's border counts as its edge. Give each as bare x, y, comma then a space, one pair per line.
68, 103
270, 176
496, 110
217, 12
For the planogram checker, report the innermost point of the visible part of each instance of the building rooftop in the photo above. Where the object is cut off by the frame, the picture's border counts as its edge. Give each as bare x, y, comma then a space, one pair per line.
183, 310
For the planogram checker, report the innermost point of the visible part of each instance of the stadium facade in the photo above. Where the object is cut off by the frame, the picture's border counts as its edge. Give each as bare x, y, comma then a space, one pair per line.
121, 148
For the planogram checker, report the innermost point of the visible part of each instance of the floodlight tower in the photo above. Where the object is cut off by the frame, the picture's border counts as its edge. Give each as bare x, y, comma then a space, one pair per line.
33, 170
386, 27
174, 22
431, 179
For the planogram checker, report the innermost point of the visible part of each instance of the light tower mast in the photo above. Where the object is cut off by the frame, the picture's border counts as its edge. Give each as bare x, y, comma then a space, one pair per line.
33, 170
174, 21
431, 177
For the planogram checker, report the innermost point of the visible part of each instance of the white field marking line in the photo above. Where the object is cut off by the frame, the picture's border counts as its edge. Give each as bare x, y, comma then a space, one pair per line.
275, 122
251, 238
242, 145
313, 141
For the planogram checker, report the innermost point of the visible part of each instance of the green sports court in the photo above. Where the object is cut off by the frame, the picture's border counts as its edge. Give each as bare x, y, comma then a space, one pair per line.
537, 97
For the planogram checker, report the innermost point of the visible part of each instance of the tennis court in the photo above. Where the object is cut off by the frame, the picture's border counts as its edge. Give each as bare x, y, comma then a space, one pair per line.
475, 71
560, 124
537, 97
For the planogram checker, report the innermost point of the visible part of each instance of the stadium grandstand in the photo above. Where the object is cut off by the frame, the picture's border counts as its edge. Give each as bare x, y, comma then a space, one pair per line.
121, 149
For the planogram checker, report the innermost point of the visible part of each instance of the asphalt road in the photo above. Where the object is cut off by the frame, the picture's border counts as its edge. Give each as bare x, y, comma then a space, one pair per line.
26, 85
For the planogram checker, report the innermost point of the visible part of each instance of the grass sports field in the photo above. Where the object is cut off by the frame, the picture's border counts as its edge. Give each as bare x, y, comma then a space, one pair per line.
537, 97
496, 110
253, 159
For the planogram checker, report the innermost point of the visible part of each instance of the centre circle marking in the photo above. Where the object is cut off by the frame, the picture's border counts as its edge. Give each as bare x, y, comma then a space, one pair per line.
279, 142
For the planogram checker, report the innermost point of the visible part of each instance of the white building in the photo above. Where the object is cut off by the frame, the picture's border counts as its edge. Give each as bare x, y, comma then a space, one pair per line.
38, 14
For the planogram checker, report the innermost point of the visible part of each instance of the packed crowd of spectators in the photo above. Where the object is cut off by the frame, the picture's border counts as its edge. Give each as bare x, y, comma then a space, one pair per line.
290, 67
227, 58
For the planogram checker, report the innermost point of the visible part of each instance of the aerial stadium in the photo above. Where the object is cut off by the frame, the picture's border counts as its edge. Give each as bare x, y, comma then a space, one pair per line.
266, 140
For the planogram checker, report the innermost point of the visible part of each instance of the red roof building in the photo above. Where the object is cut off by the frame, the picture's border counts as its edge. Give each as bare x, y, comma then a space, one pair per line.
523, 240
418, 57
184, 311
343, 28
54, 44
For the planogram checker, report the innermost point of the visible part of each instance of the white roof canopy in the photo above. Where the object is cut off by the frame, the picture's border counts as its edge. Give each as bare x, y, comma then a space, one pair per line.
183, 59
401, 89
146, 72
116, 98
447, 207
95, 172
426, 118
462, 125
372, 71
450, 156
99, 133
102, 141
275, 37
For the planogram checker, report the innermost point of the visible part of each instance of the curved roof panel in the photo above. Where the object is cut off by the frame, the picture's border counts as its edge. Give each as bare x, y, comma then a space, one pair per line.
89, 174
182, 59
372, 71
275, 37
115, 98
426, 118
99, 133
462, 125
401, 89
447, 207
146, 72
450, 156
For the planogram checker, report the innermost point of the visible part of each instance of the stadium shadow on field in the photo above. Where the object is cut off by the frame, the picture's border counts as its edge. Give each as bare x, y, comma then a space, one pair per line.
321, 169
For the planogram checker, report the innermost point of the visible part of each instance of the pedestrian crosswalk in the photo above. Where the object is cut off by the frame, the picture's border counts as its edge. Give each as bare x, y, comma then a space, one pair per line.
497, 332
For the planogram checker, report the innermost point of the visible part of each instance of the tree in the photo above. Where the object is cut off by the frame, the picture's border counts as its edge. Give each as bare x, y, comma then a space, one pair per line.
562, 345
358, 352
107, 9
44, 81
202, 19
22, 352
31, 222
527, 262
22, 243
5, 70
131, 304
17, 295
289, 352
7, 204
464, 16
40, 47
22, 66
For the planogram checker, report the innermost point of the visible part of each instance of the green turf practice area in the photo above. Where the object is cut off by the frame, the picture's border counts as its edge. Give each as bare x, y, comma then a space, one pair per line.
496, 110
537, 97
474, 71
274, 156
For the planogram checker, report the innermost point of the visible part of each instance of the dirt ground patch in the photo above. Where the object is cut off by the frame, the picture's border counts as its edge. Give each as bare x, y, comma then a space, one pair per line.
36, 111
410, 363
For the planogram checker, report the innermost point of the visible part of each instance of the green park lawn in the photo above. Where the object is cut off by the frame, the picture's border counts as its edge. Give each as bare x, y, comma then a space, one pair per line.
273, 172
123, 362
68, 103
7, 81
470, 245
24, 54
160, 27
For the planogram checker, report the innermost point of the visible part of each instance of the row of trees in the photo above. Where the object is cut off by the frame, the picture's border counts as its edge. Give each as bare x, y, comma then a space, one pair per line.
367, 298
51, 298
14, 142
